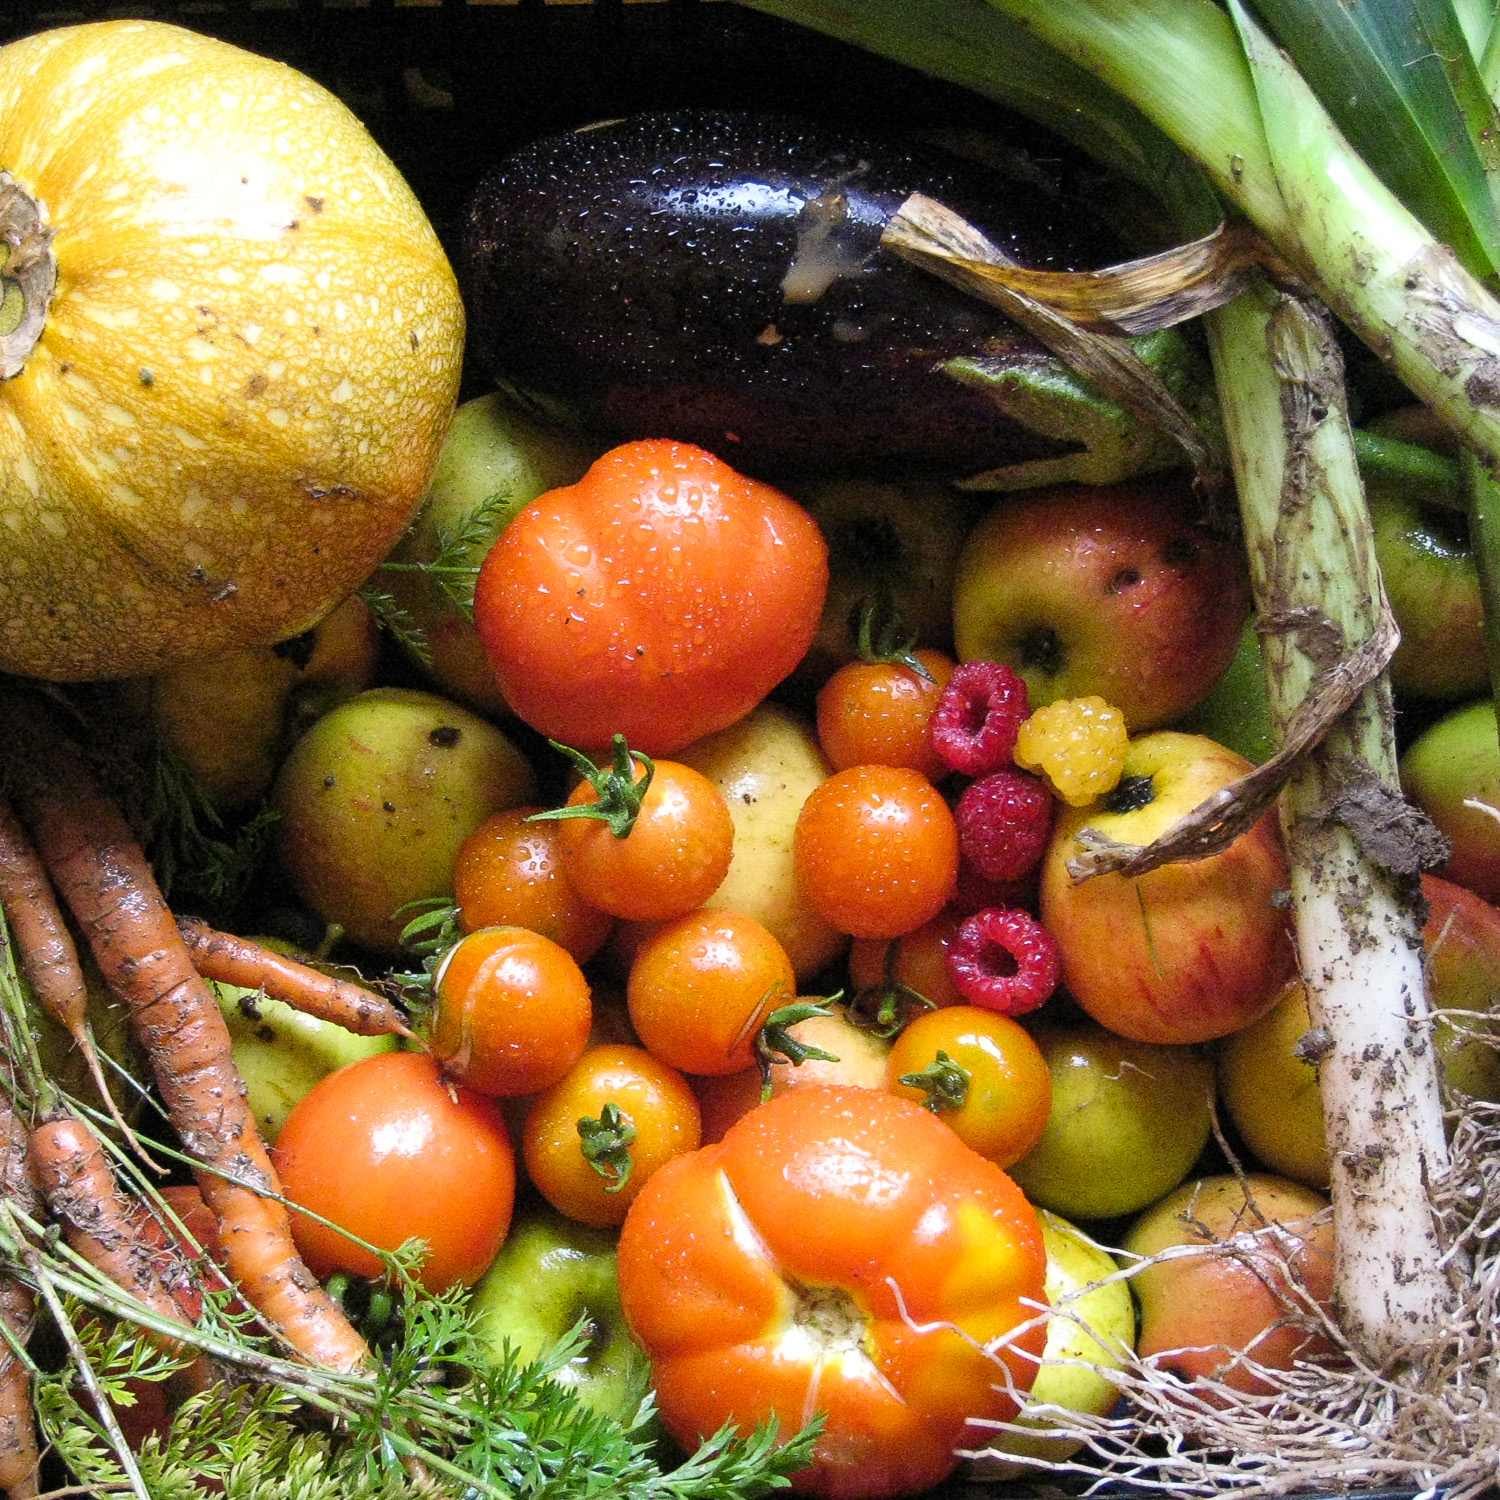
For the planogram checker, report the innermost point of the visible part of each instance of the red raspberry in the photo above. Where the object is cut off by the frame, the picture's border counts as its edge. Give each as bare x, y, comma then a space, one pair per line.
1004, 821
1004, 960
978, 715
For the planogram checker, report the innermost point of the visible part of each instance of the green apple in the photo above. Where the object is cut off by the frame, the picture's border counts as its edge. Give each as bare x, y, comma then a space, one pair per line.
896, 542
550, 1273
1269, 1086
494, 461
1093, 1337
1187, 952
230, 717
376, 799
1128, 1121
1432, 581
282, 1053
1117, 593
1237, 711
1201, 1314
1452, 772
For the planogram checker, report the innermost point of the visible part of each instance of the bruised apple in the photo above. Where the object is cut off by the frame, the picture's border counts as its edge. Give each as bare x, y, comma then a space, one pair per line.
1189, 951
231, 347
1112, 592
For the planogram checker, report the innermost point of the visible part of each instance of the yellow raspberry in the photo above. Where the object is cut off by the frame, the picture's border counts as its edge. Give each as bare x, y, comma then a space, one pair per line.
1078, 744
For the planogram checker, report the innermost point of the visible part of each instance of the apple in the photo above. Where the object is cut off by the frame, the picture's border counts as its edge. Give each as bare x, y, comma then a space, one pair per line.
1451, 764
896, 542
1462, 939
550, 1273
495, 460
1128, 1121
1203, 1315
1189, 951
1270, 1089
857, 1058
376, 799
766, 766
281, 1053
1112, 592
230, 717
1091, 1338
1237, 710
1432, 582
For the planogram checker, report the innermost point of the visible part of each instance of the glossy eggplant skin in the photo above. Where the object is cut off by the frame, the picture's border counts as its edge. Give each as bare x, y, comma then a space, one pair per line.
716, 278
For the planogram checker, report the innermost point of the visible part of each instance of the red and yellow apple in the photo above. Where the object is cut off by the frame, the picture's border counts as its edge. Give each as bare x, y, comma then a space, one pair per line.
1217, 1314
1116, 592
1452, 772
1190, 951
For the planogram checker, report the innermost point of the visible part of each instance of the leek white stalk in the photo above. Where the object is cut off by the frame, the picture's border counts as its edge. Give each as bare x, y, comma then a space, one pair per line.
1318, 595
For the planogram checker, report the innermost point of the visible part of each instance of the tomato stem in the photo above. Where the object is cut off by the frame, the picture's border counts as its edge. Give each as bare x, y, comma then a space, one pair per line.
605, 1143
881, 636
775, 1044
944, 1083
619, 794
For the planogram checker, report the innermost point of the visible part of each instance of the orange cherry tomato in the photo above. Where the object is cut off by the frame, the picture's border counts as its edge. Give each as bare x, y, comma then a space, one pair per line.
840, 1251
658, 1113
513, 1011
662, 596
509, 874
671, 861
877, 713
390, 1151
1000, 1103
876, 850
701, 986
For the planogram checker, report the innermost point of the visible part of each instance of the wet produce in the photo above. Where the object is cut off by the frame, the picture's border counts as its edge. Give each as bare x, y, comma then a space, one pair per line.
715, 277
219, 293
814, 878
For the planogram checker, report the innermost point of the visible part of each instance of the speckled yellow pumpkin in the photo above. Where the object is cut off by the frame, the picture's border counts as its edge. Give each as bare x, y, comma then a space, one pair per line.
229, 350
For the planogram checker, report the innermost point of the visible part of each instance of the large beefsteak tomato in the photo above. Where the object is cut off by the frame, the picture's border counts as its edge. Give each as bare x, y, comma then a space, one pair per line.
840, 1252
661, 597
229, 348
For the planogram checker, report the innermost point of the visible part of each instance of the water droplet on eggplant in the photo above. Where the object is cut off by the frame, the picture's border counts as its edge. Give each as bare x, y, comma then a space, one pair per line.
717, 278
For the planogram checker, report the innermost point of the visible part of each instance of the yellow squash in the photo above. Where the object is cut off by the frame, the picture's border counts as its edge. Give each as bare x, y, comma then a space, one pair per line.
229, 350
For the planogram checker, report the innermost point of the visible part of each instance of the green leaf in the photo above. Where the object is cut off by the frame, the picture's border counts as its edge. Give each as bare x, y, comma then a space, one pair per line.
1400, 81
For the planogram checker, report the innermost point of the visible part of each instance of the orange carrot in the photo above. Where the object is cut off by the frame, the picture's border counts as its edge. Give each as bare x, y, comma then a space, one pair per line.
105, 1227
19, 1456
99, 870
236, 960
47, 952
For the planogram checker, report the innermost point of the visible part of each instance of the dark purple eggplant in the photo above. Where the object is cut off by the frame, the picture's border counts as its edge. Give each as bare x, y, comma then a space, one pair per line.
717, 278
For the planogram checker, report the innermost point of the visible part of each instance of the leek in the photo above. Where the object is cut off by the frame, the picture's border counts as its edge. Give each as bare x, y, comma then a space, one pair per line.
1210, 80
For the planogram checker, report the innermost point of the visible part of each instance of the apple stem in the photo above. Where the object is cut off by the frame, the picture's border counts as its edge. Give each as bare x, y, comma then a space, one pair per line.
1319, 598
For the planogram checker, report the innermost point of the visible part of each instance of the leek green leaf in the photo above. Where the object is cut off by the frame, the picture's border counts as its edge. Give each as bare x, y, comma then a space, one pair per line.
1400, 81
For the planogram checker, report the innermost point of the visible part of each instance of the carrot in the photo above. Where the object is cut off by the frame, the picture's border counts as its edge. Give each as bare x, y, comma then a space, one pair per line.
104, 1226
19, 1456
47, 952
236, 960
100, 871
